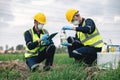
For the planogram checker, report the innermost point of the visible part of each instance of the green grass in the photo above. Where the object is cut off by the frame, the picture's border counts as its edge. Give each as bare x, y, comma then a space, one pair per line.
62, 59
63, 69
9, 57
9, 74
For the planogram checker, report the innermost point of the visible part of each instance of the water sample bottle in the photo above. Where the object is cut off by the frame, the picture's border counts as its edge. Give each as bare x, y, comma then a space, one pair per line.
104, 48
63, 36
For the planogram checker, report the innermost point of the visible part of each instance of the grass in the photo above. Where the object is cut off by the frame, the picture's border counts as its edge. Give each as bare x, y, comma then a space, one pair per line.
9, 74
9, 57
63, 69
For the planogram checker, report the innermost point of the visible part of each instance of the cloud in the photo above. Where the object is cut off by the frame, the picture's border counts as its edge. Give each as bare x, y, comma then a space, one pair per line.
5, 11
117, 18
16, 16
42, 2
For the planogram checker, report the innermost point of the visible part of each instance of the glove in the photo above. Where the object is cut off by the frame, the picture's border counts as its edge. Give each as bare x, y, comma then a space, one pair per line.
65, 44
46, 42
67, 28
44, 37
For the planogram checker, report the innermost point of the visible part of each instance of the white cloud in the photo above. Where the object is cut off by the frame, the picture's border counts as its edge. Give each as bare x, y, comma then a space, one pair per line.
117, 18
42, 2
16, 16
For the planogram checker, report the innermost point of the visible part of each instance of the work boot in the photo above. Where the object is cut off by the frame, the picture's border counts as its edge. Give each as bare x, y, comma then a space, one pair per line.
89, 65
46, 68
78, 61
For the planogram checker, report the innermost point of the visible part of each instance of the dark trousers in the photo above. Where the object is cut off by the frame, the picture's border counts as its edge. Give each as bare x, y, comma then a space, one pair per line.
47, 54
80, 52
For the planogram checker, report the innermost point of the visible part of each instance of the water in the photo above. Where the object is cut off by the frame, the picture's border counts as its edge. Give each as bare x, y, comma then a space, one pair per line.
63, 36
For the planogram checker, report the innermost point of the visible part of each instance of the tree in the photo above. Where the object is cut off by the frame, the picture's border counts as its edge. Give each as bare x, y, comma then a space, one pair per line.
61, 49
12, 48
20, 47
1, 47
6, 47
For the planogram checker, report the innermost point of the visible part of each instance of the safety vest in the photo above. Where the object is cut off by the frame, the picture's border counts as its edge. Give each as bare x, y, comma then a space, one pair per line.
40, 47
94, 39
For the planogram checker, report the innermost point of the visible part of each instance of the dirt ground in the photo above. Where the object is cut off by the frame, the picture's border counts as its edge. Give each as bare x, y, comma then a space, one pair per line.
15, 64
24, 70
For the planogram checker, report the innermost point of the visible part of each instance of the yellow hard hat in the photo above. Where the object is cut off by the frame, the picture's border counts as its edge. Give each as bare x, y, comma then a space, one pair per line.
70, 14
40, 17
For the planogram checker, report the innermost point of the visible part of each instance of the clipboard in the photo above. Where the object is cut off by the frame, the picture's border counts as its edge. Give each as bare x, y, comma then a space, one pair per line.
52, 36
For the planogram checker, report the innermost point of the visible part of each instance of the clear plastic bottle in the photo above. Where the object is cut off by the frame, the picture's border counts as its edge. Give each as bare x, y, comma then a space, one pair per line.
104, 48
63, 36
111, 47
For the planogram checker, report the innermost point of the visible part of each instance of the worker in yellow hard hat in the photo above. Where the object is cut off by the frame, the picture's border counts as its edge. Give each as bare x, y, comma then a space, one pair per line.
87, 42
38, 46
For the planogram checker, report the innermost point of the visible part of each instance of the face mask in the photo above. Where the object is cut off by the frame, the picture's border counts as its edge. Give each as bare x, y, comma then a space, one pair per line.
40, 26
76, 22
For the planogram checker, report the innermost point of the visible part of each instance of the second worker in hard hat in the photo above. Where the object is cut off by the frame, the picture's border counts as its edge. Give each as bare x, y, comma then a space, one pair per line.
87, 42
38, 48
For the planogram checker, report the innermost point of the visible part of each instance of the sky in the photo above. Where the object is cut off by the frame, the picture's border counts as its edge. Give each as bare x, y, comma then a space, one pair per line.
16, 16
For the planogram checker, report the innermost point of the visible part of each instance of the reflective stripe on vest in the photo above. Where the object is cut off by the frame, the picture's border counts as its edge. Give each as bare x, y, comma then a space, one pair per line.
34, 52
93, 39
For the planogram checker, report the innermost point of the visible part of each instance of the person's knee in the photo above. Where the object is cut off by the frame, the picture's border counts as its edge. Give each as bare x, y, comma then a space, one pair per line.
31, 64
51, 48
34, 67
70, 39
77, 52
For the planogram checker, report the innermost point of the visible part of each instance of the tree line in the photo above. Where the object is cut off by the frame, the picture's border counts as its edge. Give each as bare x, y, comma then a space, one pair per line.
21, 48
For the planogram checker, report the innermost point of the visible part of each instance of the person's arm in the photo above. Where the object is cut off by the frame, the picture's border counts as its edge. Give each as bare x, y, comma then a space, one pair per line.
29, 42
88, 28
